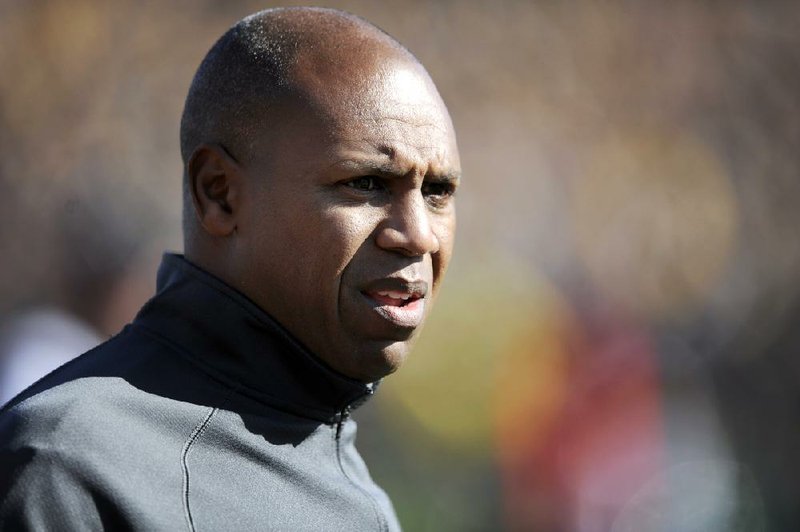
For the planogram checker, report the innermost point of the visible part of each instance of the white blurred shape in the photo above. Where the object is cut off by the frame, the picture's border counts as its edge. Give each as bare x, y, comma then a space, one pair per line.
697, 496
35, 343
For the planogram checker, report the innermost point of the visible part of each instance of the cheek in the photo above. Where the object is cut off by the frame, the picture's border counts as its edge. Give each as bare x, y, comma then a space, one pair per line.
445, 229
285, 243
345, 229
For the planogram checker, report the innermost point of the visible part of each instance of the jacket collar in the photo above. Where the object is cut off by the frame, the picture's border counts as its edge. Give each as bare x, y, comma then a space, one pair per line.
233, 339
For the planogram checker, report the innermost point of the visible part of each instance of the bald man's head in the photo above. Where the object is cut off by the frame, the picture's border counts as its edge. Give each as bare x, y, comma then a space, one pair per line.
251, 70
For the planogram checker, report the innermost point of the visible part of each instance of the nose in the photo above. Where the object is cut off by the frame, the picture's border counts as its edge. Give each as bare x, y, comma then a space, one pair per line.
407, 229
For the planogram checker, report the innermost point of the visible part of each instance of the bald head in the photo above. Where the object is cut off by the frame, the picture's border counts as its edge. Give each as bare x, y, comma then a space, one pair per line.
256, 66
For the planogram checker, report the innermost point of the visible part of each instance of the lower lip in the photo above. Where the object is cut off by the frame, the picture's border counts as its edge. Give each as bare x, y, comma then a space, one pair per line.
408, 316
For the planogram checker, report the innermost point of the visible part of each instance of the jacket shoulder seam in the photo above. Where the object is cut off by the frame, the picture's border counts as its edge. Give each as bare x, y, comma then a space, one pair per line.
197, 432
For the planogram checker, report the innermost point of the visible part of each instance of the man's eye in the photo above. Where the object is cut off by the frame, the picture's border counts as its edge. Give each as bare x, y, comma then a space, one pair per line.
364, 184
438, 191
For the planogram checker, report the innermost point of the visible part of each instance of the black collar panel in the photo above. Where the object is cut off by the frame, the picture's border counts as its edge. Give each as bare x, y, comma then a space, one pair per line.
238, 343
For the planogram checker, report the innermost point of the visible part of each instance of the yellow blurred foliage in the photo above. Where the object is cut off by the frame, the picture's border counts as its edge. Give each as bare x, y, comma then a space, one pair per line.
469, 353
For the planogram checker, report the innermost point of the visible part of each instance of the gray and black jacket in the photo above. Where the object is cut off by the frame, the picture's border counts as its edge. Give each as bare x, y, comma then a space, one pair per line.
203, 414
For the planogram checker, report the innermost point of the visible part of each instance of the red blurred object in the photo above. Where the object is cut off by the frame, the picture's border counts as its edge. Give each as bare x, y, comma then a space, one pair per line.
605, 440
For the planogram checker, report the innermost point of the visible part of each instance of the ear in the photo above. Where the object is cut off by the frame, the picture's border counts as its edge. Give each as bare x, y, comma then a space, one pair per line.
215, 181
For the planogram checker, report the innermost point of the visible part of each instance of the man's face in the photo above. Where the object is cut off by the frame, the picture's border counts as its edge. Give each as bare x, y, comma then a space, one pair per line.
348, 218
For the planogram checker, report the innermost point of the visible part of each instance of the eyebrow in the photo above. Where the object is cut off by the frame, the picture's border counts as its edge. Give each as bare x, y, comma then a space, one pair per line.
389, 169
448, 177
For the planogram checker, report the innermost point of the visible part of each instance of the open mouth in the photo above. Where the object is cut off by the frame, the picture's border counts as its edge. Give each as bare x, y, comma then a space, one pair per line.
394, 298
401, 303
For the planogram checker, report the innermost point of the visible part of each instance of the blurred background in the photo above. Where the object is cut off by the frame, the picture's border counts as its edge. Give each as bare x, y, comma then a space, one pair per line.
615, 348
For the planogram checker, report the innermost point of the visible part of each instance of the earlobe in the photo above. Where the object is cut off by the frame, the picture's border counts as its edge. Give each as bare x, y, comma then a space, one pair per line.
214, 179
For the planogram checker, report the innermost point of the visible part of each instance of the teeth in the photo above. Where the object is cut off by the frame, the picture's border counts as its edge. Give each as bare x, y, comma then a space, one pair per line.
395, 295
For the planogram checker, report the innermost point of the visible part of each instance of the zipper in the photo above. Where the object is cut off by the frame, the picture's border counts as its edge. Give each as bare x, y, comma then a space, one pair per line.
344, 413
341, 418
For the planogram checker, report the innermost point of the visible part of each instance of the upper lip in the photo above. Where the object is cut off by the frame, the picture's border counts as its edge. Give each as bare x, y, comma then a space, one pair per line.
415, 289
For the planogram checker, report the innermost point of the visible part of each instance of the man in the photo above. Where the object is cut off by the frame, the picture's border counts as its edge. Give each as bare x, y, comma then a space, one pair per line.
320, 167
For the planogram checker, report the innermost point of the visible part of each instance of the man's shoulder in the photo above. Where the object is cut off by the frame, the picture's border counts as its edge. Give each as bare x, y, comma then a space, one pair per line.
133, 359
109, 397
114, 357
73, 425
84, 452
110, 424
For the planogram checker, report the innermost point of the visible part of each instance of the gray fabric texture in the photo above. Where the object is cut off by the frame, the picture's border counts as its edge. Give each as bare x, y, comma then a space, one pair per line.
203, 414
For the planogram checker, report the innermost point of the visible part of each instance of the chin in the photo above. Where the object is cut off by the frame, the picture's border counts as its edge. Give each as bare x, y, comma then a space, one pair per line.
377, 361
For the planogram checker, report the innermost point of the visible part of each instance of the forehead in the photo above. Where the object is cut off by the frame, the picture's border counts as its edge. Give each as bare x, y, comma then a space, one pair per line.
383, 104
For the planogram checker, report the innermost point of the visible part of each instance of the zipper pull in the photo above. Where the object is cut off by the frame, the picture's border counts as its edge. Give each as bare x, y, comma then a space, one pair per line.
345, 413
342, 418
